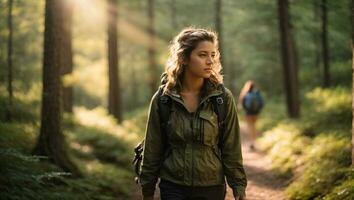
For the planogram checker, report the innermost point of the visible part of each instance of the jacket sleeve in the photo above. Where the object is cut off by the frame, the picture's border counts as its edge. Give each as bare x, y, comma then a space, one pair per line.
152, 150
231, 149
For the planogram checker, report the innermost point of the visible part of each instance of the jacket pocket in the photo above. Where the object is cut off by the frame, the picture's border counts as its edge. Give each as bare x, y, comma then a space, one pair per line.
209, 128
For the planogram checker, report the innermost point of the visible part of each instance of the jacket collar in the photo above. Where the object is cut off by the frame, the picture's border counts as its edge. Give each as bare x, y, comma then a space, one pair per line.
208, 90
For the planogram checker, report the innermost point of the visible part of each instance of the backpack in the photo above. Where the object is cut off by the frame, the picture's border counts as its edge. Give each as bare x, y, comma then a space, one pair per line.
253, 102
164, 104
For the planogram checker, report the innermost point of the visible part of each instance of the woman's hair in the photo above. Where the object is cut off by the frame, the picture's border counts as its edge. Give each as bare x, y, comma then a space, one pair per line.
249, 85
180, 50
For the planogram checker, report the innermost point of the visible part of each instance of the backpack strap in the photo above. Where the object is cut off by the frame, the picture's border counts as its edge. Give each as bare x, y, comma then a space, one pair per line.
164, 110
219, 107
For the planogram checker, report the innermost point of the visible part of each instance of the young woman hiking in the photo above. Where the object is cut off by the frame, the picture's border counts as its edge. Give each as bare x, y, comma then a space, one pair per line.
191, 157
252, 103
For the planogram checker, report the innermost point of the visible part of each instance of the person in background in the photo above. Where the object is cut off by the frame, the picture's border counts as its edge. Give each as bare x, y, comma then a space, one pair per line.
191, 157
252, 103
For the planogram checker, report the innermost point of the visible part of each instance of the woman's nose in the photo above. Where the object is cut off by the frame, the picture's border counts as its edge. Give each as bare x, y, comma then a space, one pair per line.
210, 60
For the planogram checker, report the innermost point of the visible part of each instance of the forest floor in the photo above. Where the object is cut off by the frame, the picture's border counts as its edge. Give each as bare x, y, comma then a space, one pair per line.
262, 182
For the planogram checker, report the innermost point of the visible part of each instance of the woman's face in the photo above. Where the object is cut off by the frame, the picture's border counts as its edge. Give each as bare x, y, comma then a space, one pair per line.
201, 60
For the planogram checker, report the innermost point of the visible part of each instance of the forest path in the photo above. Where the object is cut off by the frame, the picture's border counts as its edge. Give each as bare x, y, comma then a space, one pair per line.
262, 183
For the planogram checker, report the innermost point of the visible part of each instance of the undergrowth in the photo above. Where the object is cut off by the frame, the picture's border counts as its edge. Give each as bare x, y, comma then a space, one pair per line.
314, 150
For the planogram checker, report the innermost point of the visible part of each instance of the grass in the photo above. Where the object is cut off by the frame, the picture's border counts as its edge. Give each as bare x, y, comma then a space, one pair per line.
315, 150
102, 149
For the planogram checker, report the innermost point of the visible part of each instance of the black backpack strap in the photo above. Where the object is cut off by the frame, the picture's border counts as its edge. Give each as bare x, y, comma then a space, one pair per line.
219, 106
164, 110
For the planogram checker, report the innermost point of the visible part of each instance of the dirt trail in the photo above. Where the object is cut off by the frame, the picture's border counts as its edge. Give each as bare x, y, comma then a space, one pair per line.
262, 184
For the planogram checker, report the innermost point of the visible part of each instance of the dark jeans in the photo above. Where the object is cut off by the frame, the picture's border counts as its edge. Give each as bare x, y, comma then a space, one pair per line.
172, 191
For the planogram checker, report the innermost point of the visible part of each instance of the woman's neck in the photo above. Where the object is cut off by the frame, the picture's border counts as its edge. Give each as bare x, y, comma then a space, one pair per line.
192, 84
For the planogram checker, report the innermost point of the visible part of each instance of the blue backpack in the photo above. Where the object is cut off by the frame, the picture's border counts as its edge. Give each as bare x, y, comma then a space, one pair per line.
253, 102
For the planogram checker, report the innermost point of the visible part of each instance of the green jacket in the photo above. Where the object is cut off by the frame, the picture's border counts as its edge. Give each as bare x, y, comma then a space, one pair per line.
192, 156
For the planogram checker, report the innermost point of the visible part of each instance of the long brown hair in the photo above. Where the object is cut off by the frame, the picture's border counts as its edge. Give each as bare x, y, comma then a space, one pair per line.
249, 85
180, 50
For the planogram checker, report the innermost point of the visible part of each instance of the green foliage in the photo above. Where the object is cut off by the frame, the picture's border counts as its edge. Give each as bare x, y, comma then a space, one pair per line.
345, 190
316, 148
102, 149
23, 177
20, 136
24, 106
284, 138
328, 112
324, 169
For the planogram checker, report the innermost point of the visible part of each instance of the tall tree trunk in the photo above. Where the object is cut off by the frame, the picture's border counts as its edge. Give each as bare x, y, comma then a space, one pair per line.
174, 24
114, 99
151, 48
325, 49
316, 39
288, 53
67, 67
9, 61
218, 27
51, 141
353, 82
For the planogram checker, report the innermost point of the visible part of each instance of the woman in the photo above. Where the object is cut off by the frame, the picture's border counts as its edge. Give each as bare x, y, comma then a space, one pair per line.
252, 103
190, 162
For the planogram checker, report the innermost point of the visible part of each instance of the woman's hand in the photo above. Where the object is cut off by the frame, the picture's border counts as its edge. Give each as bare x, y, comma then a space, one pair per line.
148, 198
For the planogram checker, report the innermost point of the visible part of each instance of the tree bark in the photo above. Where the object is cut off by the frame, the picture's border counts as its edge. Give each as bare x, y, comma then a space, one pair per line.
151, 48
218, 27
288, 53
325, 49
316, 39
114, 99
67, 67
353, 82
9, 61
51, 141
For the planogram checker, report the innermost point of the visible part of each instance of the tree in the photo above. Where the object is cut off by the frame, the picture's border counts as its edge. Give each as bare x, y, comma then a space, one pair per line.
67, 67
9, 60
218, 25
51, 141
151, 47
114, 99
325, 49
288, 53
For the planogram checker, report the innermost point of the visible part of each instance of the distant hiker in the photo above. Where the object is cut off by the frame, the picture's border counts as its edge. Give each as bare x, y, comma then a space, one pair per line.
192, 139
252, 104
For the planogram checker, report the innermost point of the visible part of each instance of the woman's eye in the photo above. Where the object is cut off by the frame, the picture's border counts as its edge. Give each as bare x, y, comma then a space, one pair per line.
202, 55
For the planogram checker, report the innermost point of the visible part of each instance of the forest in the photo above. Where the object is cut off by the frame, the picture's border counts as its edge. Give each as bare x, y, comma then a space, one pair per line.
77, 76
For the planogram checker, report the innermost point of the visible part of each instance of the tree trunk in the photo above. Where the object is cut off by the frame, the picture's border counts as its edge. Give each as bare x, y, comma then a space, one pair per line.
67, 67
51, 141
316, 39
353, 82
218, 27
288, 53
325, 49
151, 48
114, 99
9, 61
